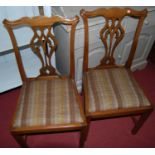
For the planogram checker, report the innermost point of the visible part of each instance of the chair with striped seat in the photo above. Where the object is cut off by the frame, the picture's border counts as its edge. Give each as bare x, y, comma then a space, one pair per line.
48, 103
110, 89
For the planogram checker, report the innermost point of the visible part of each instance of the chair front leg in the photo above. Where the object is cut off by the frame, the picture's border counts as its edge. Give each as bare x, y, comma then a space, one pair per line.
83, 136
140, 122
84, 133
20, 140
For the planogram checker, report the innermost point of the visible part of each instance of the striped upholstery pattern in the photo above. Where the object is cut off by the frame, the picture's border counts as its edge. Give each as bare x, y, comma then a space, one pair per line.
47, 102
111, 89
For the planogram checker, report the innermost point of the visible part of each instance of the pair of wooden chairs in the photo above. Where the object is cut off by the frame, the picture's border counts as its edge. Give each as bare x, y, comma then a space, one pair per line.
50, 102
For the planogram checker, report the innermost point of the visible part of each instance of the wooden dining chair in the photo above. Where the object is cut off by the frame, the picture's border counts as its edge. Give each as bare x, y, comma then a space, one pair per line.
110, 89
48, 103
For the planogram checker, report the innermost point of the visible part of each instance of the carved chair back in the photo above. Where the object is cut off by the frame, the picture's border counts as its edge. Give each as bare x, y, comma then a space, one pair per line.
43, 43
112, 33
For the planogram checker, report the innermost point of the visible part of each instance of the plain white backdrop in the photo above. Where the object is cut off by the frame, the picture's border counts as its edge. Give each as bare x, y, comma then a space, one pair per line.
77, 2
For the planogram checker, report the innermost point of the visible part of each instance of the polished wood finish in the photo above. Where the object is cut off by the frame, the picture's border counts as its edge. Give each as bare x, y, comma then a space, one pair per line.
141, 121
42, 24
43, 46
112, 28
111, 35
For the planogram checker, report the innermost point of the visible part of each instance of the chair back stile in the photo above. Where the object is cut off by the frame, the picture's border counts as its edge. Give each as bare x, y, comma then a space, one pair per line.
112, 33
44, 44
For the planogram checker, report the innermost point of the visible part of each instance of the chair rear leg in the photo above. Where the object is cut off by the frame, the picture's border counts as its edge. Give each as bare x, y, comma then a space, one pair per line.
20, 140
140, 122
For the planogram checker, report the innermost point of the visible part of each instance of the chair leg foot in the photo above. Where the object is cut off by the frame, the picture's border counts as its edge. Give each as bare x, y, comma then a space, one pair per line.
83, 136
20, 140
84, 133
140, 122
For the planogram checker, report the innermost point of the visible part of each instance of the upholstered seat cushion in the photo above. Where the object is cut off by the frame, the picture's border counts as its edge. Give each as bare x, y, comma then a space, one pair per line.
47, 103
110, 89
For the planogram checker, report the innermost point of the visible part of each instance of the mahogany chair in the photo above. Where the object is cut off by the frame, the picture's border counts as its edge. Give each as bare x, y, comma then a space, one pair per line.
110, 89
48, 103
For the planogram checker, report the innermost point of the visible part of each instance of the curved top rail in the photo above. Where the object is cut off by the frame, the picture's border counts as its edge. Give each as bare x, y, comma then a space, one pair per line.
109, 13
40, 21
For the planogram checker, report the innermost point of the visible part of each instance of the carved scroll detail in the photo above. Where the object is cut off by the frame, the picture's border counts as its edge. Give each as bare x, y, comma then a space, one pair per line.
111, 35
44, 45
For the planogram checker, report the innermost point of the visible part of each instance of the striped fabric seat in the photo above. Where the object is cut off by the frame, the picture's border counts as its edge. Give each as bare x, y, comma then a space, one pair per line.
47, 103
111, 89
